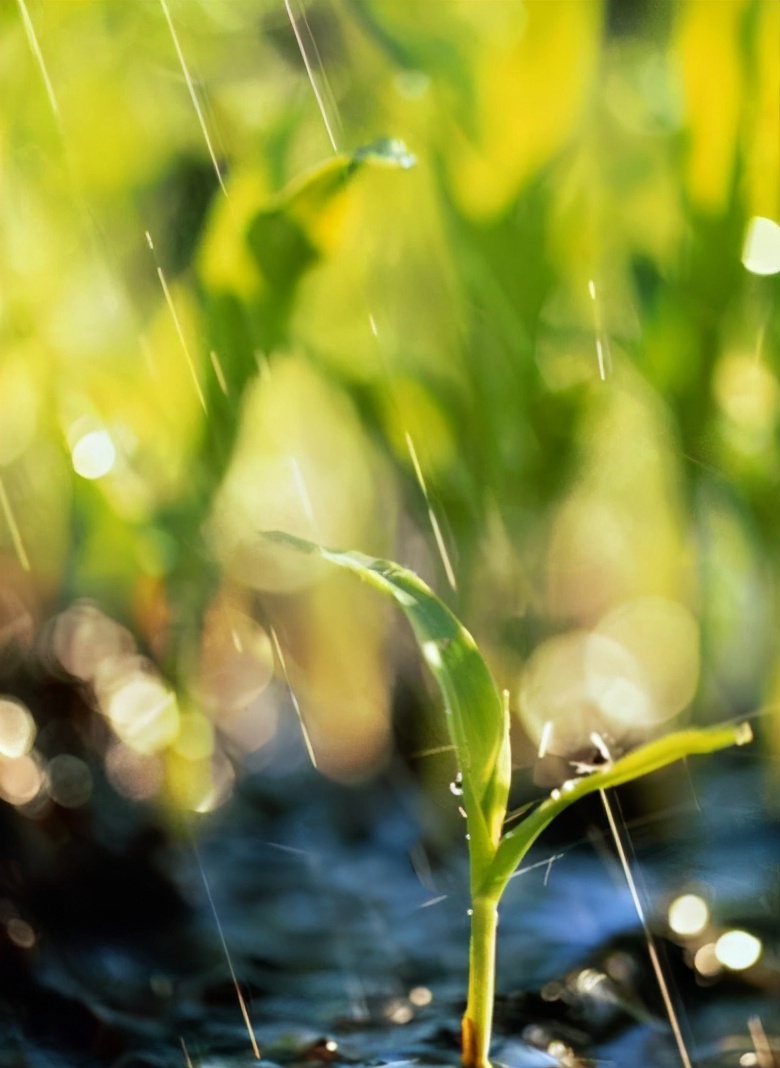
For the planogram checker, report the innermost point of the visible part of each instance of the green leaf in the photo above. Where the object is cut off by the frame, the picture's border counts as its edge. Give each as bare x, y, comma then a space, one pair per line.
477, 721
288, 236
648, 758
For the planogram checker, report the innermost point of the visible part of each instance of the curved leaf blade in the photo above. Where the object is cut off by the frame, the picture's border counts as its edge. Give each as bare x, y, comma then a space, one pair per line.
476, 719
301, 222
648, 758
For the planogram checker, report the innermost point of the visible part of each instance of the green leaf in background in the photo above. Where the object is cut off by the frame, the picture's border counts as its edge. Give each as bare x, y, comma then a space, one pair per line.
301, 223
477, 721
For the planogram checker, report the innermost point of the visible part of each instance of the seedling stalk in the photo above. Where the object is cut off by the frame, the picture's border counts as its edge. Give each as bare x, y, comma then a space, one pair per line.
482, 980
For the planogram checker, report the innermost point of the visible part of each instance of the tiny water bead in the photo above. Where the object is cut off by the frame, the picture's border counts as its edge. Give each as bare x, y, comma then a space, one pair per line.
391, 151
456, 786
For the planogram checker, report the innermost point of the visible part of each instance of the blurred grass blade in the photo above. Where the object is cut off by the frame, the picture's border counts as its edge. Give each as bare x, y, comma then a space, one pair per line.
648, 758
476, 719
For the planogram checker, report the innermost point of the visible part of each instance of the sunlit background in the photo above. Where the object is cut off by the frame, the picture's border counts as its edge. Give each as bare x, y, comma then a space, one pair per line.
489, 289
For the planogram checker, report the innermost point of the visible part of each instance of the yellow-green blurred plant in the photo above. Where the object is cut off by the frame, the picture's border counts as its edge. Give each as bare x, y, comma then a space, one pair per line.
543, 356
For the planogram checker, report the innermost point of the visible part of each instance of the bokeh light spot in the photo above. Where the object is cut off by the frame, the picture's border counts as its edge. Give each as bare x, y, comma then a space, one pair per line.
68, 781
706, 962
84, 639
20, 780
747, 391
144, 713
93, 454
135, 776
761, 250
17, 728
688, 914
738, 950
20, 933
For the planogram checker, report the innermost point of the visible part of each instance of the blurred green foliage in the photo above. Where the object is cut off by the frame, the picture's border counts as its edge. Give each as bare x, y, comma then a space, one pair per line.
532, 366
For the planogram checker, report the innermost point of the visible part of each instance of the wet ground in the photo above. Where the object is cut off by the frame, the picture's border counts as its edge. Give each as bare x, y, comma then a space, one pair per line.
126, 943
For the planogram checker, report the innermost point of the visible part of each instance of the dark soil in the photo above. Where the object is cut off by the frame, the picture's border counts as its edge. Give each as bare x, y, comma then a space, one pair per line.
348, 933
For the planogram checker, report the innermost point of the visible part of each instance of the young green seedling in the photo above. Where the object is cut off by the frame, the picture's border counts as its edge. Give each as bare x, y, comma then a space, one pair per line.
478, 723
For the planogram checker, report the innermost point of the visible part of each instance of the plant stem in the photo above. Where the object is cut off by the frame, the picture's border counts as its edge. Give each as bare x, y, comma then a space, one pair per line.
478, 1018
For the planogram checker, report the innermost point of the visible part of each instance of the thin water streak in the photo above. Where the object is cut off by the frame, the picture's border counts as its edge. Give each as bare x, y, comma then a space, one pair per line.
13, 526
303, 493
434, 901
655, 960
298, 711
318, 96
216, 363
194, 97
234, 977
544, 741
177, 323
602, 349
546, 863
35, 48
445, 558
764, 1052
185, 1051
435, 750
